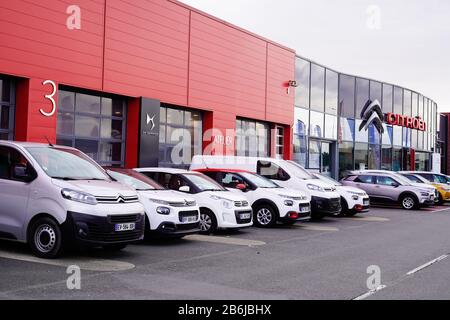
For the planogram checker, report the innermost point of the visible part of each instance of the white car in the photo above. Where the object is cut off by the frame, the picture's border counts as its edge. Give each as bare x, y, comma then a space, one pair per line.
51, 196
219, 208
270, 202
353, 200
323, 196
168, 213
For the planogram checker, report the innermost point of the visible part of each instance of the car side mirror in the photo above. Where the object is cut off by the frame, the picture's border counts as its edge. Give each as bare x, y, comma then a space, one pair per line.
241, 187
185, 189
20, 172
396, 185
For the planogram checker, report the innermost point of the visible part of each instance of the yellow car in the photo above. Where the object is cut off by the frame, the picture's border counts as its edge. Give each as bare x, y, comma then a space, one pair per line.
439, 181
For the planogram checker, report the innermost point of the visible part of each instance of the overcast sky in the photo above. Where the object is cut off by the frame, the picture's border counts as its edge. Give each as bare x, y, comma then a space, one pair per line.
405, 42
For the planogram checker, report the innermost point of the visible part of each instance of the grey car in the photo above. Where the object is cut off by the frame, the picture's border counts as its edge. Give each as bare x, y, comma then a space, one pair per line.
390, 187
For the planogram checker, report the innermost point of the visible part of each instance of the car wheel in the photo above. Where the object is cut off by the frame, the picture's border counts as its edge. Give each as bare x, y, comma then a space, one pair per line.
265, 216
45, 238
345, 211
441, 200
409, 202
208, 222
114, 247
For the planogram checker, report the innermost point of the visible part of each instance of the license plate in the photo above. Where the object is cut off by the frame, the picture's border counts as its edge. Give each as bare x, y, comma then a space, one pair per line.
125, 227
189, 219
304, 209
245, 216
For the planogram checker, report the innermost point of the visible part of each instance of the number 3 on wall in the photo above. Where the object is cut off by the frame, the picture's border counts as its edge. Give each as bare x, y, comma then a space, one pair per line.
50, 97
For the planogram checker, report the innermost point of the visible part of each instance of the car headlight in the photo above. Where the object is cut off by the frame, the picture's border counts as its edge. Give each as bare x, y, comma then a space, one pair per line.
226, 203
288, 203
78, 196
446, 189
163, 210
159, 201
314, 187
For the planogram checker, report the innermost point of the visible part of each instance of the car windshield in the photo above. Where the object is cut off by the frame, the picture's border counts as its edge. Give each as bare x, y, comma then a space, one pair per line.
299, 171
135, 180
67, 164
413, 178
401, 179
203, 182
259, 181
328, 179
440, 179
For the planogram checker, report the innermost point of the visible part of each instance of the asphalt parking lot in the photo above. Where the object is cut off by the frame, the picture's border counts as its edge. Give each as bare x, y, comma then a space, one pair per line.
314, 260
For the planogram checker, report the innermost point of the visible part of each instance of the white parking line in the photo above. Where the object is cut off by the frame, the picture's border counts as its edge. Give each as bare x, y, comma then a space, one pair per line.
85, 263
369, 293
426, 265
225, 240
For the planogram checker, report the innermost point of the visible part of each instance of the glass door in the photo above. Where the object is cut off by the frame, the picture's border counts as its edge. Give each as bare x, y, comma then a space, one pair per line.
320, 157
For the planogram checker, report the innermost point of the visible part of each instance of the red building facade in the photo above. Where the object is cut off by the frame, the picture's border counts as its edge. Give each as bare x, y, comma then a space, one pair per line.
155, 49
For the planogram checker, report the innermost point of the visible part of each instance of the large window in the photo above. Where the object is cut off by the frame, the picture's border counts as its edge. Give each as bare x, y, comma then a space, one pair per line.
345, 157
387, 98
94, 124
331, 94
7, 107
302, 73
301, 132
252, 138
361, 156
362, 95
347, 96
386, 158
317, 88
407, 103
316, 124
376, 91
398, 100
180, 136
330, 127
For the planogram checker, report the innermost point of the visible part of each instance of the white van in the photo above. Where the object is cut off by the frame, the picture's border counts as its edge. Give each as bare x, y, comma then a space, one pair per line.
219, 208
168, 213
270, 202
324, 198
51, 196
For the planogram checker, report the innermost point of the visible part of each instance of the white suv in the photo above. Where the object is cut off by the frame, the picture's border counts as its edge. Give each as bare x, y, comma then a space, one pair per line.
168, 213
270, 202
52, 195
219, 208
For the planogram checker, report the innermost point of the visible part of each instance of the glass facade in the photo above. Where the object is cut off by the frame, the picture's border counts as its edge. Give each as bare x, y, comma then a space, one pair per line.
180, 136
7, 108
328, 107
94, 124
252, 138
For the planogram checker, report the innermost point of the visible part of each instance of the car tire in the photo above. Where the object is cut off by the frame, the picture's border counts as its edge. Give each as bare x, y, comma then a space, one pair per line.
409, 202
45, 238
208, 222
344, 211
265, 216
441, 200
114, 247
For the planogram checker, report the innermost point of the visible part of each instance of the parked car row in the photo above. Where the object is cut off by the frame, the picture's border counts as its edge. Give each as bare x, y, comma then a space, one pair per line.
53, 197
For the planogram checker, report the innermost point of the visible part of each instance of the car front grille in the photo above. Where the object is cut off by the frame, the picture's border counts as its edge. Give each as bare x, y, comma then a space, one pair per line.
107, 234
240, 204
124, 218
117, 199
183, 204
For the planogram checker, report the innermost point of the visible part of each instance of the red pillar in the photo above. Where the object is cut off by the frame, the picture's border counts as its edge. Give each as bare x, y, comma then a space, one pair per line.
132, 138
31, 124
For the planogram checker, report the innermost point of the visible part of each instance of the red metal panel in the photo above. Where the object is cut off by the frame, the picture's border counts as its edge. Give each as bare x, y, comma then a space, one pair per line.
146, 49
227, 70
36, 43
280, 69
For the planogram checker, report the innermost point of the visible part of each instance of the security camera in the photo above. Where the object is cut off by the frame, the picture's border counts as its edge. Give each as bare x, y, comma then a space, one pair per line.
292, 83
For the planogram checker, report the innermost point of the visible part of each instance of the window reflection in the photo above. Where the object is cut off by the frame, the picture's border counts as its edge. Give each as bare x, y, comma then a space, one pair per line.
317, 88
302, 73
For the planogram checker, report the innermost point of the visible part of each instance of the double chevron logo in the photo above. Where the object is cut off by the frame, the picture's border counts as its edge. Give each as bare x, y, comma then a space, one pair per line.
372, 114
